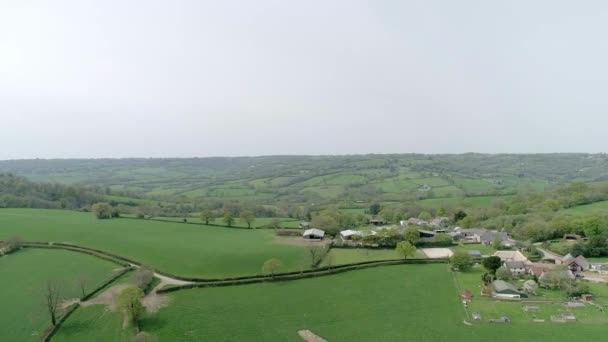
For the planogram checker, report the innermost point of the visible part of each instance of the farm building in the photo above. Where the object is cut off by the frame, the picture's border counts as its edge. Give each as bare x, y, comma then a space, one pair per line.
573, 237
348, 234
538, 269
475, 254
438, 221
313, 234
511, 256
426, 233
503, 290
376, 222
414, 222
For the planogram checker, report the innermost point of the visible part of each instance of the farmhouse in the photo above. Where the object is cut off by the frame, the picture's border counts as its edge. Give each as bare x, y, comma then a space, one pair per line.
576, 265
438, 221
503, 290
486, 237
313, 234
538, 269
517, 268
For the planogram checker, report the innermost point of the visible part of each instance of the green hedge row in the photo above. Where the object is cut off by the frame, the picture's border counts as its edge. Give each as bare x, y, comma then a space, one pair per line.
100, 254
302, 275
106, 283
53, 330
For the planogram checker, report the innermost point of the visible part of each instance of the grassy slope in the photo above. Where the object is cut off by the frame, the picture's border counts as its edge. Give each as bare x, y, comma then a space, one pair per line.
24, 274
93, 323
183, 249
396, 303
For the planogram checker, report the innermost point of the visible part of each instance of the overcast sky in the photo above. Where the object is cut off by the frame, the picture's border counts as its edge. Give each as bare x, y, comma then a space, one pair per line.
225, 78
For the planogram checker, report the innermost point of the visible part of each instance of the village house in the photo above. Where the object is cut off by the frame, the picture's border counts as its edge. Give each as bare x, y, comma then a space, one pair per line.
517, 268
538, 269
313, 234
485, 236
503, 290
572, 237
576, 265
438, 221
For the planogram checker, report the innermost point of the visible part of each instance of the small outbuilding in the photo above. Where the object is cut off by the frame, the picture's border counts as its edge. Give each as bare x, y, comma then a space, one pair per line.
503, 290
474, 254
313, 234
348, 234
466, 295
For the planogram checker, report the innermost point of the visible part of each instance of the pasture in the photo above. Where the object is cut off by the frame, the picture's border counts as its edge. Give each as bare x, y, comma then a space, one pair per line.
177, 248
24, 275
391, 303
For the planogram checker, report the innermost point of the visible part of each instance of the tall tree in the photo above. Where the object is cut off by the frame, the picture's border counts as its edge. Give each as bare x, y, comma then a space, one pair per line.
129, 302
228, 219
102, 210
405, 249
411, 235
206, 216
491, 264
248, 217
461, 261
52, 296
272, 266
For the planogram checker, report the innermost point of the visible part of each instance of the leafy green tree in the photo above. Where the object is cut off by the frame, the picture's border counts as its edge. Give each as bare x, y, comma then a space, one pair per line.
530, 286
411, 235
461, 261
129, 303
275, 223
405, 249
374, 209
228, 219
491, 264
272, 266
248, 217
487, 278
442, 239
425, 215
387, 215
206, 216
102, 210
496, 243
503, 273
459, 215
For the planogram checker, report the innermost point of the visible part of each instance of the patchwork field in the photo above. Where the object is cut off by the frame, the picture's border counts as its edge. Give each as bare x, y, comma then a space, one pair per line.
24, 275
182, 249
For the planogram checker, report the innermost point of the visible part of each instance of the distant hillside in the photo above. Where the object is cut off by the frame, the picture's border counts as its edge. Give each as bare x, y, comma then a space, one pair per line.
320, 179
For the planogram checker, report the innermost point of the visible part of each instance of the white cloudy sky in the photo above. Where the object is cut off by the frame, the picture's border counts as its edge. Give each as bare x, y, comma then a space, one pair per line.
118, 78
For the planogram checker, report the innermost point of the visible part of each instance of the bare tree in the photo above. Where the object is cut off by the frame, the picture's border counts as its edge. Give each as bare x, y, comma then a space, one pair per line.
52, 294
82, 282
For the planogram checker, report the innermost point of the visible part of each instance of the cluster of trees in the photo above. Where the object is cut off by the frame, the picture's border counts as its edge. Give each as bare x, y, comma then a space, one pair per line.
18, 192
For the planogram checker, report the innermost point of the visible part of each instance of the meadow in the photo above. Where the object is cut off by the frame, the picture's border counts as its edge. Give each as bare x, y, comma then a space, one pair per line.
181, 249
93, 323
392, 303
24, 275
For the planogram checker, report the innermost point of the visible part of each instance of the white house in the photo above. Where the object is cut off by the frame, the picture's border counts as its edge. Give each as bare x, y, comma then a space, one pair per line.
313, 234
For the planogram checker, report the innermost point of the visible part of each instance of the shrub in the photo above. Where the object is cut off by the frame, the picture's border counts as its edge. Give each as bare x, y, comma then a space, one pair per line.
102, 210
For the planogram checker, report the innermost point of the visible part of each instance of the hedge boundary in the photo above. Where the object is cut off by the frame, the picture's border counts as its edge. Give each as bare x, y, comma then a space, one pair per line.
107, 283
47, 336
202, 224
302, 275
128, 262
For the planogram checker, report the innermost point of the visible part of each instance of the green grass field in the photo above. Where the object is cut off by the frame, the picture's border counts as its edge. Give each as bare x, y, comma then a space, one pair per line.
393, 303
93, 323
24, 275
182, 249
339, 256
589, 209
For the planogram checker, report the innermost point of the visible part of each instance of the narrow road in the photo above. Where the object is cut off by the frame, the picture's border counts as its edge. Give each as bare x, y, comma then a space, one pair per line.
549, 255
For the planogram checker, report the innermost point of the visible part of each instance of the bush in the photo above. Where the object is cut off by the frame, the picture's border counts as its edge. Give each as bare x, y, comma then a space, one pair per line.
102, 210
